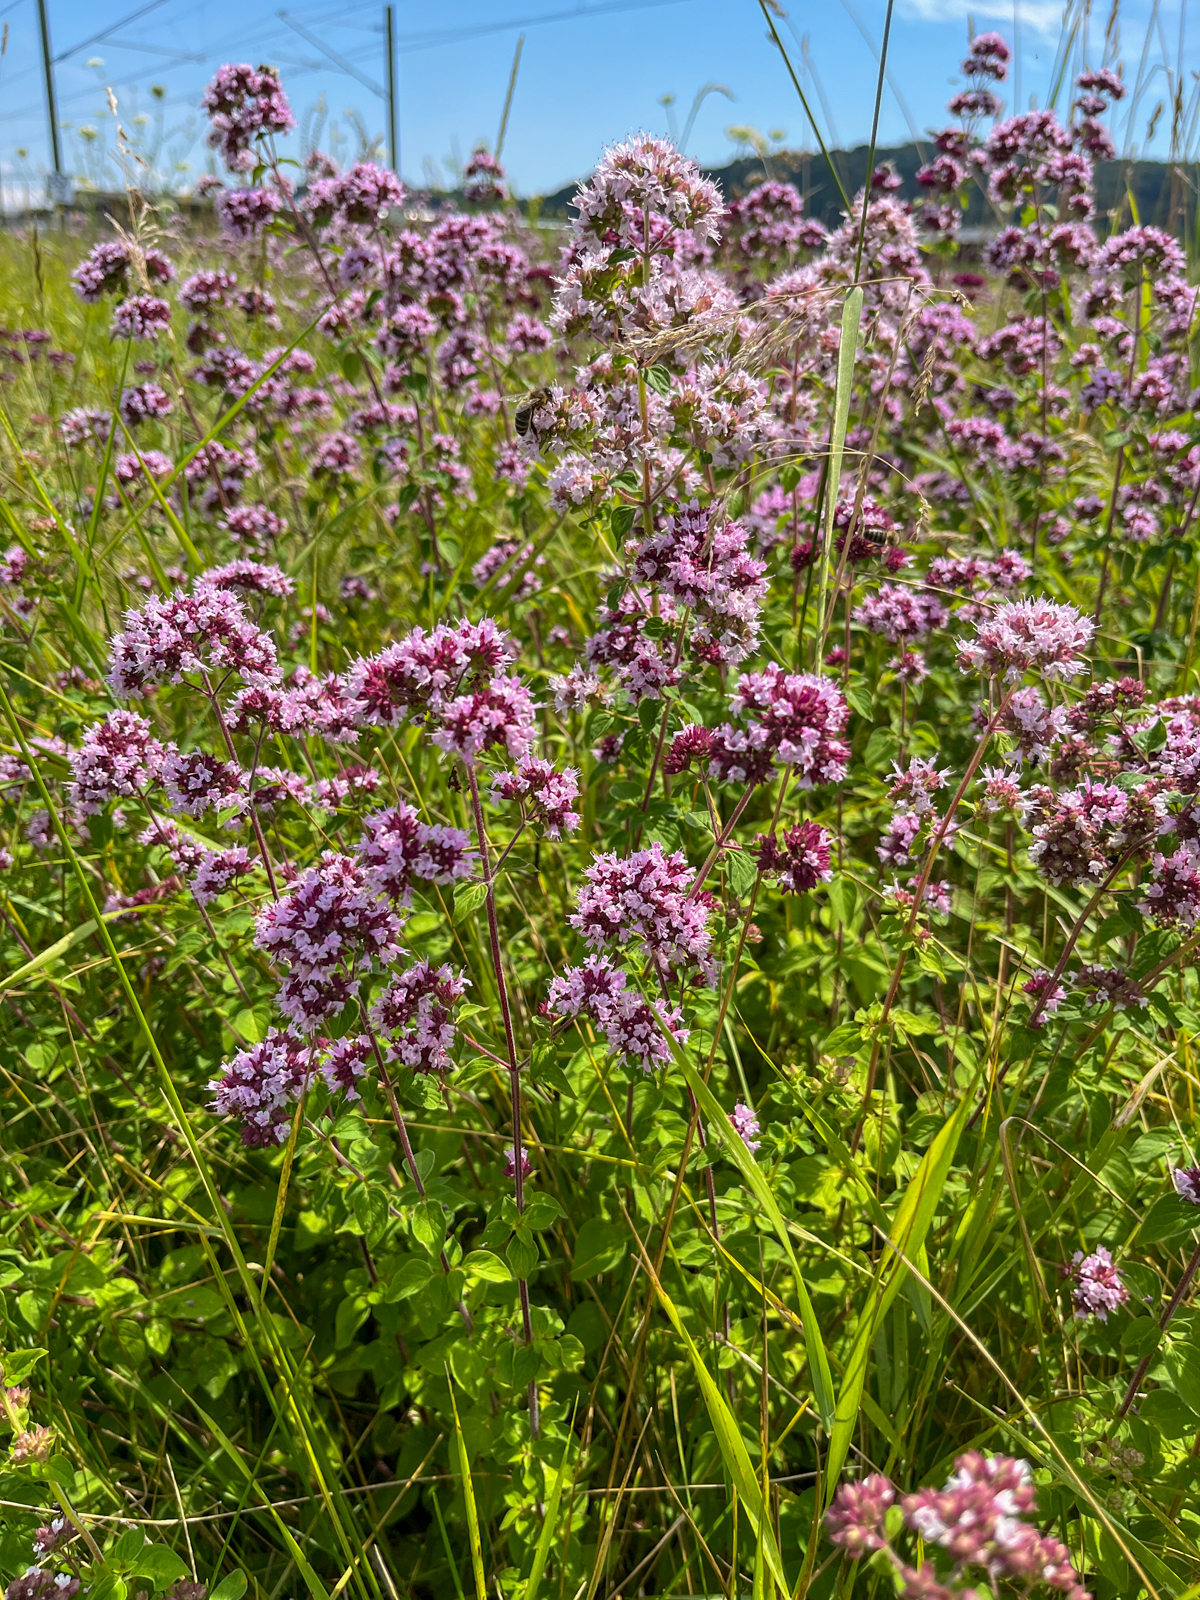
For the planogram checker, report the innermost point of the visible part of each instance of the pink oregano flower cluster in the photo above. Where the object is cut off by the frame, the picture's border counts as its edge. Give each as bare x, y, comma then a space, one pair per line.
110, 266
330, 930
912, 790
709, 569
335, 926
415, 1015
1097, 1285
132, 271
645, 898
632, 1026
1028, 636
397, 847
209, 872
799, 858
779, 719
455, 680
262, 1083
545, 794
981, 1519
1079, 835
207, 632
641, 175
118, 759
244, 103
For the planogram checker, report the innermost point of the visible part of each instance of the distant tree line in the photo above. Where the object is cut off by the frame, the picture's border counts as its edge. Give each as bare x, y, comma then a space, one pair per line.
1164, 194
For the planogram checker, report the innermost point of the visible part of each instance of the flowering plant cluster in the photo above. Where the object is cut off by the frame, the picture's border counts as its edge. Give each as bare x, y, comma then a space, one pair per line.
978, 1519
600, 878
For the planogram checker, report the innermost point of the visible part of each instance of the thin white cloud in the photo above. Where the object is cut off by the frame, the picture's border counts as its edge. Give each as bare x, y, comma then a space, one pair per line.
1043, 16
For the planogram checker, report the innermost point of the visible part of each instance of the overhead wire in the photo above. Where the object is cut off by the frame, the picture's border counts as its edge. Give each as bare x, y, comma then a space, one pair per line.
265, 40
98, 38
266, 35
332, 55
157, 50
424, 41
73, 97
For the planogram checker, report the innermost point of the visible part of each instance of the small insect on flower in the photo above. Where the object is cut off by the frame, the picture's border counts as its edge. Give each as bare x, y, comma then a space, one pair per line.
526, 406
871, 530
881, 538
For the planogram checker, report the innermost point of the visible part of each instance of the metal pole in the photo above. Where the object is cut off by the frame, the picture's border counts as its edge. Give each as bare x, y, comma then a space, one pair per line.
389, 16
51, 102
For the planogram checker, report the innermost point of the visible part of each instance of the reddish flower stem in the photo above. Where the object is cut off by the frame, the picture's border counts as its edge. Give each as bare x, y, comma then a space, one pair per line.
260, 837
1171, 1307
918, 895
410, 1160
514, 1069
723, 838
1077, 929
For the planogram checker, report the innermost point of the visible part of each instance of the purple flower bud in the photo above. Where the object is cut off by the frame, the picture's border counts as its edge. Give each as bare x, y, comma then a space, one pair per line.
855, 1519
799, 857
510, 1163
35, 1444
39, 1584
745, 1125
348, 1060
55, 1533
145, 403
1046, 997
1098, 1286
250, 577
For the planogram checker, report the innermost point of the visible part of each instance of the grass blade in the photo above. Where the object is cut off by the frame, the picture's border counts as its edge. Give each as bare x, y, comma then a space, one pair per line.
550, 1521
464, 1470
164, 505
315, 1587
729, 1438
907, 1234
847, 350
735, 1148
50, 955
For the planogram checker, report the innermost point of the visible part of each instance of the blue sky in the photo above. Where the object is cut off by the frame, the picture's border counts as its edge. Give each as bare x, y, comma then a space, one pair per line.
591, 70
